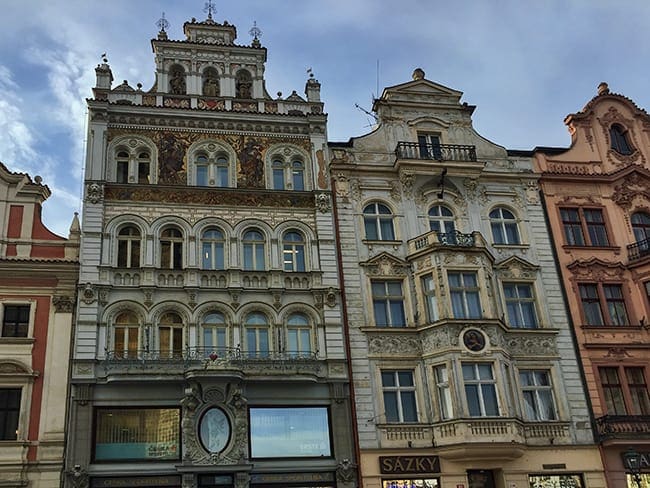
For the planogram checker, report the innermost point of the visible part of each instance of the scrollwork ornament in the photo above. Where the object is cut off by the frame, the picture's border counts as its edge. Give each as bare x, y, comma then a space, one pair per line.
95, 193
63, 304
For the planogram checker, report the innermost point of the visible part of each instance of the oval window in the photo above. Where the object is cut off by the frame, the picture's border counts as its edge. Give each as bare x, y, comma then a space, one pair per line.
214, 430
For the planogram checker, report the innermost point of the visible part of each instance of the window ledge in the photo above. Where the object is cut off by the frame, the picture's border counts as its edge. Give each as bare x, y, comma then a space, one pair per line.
17, 340
591, 248
387, 242
511, 246
611, 327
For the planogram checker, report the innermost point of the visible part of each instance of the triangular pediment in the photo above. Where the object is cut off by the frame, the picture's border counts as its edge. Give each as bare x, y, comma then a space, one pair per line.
424, 87
385, 264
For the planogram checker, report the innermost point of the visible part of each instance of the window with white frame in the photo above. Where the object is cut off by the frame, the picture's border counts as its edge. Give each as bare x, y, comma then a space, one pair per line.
254, 246
256, 327
126, 335
388, 303
287, 174
480, 390
429, 296
293, 251
15, 320
133, 165
212, 170
9, 413
299, 335
170, 335
171, 248
398, 390
429, 146
143, 167
464, 293
128, 247
212, 249
441, 220
537, 394
445, 405
378, 222
520, 304
277, 170
298, 175
504, 227
214, 333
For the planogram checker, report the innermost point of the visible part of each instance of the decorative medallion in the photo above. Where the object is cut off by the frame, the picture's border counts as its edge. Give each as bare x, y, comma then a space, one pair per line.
214, 430
474, 340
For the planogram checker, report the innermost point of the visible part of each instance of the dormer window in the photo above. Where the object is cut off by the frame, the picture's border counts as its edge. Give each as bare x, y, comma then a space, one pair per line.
244, 84
177, 81
619, 140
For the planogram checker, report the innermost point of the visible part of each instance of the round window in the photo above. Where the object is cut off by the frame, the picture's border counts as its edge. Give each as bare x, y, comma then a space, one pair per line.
214, 430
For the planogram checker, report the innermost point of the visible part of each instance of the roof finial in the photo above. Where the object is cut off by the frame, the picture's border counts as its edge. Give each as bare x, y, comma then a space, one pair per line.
255, 33
418, 74
603, 88
163, 25
209, 8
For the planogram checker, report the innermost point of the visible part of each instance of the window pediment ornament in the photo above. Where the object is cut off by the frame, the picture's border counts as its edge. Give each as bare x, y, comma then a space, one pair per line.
596, 269
388, 345
633, 185
385, 265
516, 268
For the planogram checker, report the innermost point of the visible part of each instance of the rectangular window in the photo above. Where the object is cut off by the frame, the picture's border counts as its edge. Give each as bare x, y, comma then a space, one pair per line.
430, 300
143, 173
388, 304
555, 481
444, 393
123, 171
429, 146
202, 175
537, 394
278, 178
137, 434
480, 390
520, 304
603, 304
257, 342
625, 390
171, 341
9, 413
15, 321
214, 340
464, 291
584, 226
222, 176
399, 396
290, 432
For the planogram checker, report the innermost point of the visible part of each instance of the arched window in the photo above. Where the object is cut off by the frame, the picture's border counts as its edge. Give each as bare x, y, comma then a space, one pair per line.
212, 249
122, 164
299, 341
171, 249
177, 80
144, 165
244, 84
126, 335
254, 250
215, 338
293, 251
257, 335
128, 247
619, 140
378, 222
210, 82
201, 167
504, 226
278, 174
170, 335
441, 220
298, 175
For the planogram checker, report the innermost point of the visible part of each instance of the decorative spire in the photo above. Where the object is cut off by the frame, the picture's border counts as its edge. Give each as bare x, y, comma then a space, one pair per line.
209, 8
163, 25
255, 33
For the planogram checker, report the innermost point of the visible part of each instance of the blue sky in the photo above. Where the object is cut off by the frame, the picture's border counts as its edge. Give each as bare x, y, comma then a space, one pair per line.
525, 64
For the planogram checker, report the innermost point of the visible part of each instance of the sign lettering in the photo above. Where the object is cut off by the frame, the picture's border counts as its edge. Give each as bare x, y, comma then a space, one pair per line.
409, 464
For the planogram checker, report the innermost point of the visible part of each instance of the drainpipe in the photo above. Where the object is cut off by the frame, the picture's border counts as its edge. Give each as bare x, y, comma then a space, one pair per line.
346, 335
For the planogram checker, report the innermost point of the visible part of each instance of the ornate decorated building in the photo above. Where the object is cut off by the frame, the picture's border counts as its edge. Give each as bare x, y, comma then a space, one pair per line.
464, 369
209, 347
38, 276
597, 194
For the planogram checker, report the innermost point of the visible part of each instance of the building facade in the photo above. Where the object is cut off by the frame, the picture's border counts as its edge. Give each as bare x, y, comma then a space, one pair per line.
464, 369
38, 274
209, 349
597, 194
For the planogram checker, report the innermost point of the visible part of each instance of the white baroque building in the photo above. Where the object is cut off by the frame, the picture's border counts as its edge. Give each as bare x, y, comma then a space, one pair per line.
209, 343
464, 370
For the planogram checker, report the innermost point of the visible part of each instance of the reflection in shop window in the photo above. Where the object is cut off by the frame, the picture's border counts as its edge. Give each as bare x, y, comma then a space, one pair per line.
419, 483
555, 481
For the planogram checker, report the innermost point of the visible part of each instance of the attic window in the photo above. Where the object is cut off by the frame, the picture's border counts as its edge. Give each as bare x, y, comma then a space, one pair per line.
619, 140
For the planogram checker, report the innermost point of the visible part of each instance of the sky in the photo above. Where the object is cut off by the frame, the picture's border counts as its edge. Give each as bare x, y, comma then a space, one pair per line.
525, 64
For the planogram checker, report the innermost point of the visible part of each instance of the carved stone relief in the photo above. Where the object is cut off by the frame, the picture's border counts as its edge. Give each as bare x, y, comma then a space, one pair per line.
394, 345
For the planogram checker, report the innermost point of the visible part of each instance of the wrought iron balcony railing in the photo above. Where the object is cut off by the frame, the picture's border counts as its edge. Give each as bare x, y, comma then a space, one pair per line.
435, 239
638, 250
438, 152
623, 427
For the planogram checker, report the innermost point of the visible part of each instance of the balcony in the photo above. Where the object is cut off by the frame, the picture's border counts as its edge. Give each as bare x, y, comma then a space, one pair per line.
638, 250
432, 241
437, 152
200, 361
623, 427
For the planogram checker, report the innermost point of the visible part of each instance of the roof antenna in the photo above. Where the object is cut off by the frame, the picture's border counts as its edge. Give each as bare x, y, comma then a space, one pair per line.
374, 116
377, 92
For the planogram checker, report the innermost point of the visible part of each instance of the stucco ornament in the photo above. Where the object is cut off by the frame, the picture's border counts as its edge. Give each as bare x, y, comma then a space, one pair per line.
78, 477
323, 202
95, 193
88, 294
63, 304
345, 471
